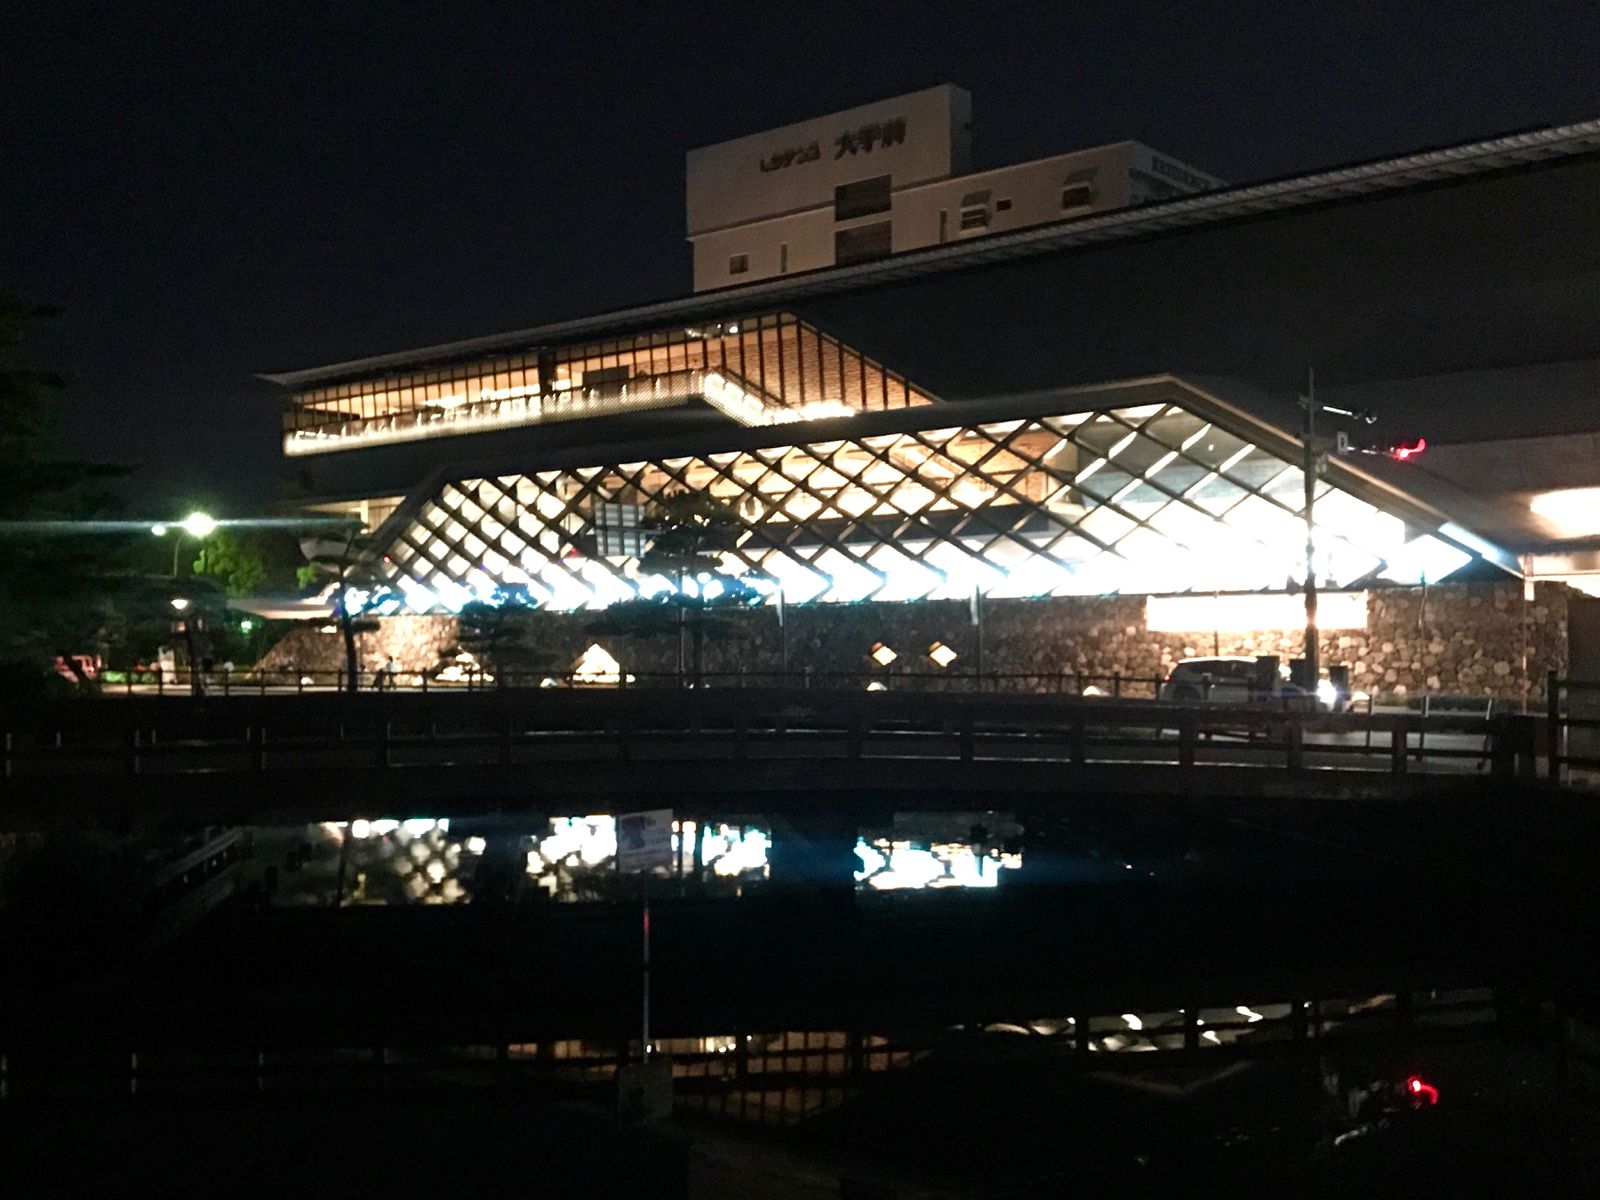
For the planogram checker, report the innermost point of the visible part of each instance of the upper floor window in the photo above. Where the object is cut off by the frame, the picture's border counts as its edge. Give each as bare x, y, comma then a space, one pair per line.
861, 243
1076, 195
738, 264
862, 198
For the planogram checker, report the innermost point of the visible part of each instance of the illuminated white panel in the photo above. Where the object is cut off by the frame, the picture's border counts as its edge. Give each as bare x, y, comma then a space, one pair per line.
1423, 560
1252, 614
1575, 512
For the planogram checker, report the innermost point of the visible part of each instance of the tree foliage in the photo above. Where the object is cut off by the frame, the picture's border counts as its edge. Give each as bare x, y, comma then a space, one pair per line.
244, 561
689, 533
57, 589
498, 632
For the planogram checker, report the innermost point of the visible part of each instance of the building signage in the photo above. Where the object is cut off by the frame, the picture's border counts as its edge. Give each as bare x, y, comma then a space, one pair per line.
791, 157
852, 141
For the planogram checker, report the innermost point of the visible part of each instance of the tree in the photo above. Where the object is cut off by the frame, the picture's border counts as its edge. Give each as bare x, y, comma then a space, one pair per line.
56, 590
345, 557
689, 534
243, 561
496, 632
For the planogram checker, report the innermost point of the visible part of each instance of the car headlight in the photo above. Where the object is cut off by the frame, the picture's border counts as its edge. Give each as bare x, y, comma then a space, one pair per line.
1327, 693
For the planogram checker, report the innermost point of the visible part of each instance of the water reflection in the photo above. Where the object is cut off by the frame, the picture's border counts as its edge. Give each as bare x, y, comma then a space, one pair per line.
574, 858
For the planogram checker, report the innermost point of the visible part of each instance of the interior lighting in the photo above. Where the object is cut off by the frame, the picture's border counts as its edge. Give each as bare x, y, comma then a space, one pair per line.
1132, 1021
180, 603
1249, 1014
941, 655
1575, 512
1252, 613
882, 654
596, 665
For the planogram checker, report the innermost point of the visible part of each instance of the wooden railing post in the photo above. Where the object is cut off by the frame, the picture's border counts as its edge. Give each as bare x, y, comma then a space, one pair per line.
854, 733
1399, 736
1187, 736
1552, 728
968, 736
1294, 738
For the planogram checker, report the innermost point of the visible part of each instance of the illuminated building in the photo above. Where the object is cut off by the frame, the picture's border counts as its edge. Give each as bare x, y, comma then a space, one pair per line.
949, 421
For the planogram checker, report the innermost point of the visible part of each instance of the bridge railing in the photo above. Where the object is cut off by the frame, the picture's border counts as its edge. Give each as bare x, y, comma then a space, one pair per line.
225, 681
586, 727
1572, 726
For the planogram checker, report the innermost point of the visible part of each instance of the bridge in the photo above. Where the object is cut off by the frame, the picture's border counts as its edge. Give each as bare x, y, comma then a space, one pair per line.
250, 759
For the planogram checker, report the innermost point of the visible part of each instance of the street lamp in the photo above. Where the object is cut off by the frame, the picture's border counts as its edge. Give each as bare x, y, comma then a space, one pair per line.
181, 605
197, 525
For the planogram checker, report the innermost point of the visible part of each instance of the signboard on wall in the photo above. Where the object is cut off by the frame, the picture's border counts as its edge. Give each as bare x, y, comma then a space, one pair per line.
916, 138
644, 840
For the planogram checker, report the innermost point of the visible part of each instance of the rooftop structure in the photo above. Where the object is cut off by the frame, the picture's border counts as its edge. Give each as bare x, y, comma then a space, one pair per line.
889, 177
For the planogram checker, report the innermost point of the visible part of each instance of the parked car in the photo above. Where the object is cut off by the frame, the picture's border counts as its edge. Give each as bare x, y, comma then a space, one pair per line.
1234, 680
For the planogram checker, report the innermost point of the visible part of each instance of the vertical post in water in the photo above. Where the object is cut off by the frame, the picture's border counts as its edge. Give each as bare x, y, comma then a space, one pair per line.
644, 1022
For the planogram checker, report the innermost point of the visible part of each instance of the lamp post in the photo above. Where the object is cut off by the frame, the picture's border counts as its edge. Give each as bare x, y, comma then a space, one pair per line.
181, 606
197, 525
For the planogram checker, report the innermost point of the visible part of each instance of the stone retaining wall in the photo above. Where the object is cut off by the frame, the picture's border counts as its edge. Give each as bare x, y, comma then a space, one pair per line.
1462, 639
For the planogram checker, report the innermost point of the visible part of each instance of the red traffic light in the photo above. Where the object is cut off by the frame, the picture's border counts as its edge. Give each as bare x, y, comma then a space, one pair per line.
1422, 1093
1403, 451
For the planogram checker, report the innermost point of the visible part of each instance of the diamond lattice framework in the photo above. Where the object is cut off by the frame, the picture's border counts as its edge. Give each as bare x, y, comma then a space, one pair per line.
1137, 498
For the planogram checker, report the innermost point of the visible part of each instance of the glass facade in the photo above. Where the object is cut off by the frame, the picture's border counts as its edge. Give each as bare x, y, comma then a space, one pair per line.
761, 370
1144, 498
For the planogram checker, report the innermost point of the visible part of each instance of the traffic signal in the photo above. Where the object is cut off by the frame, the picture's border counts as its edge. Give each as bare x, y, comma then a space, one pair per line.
1398, 448
1402, 451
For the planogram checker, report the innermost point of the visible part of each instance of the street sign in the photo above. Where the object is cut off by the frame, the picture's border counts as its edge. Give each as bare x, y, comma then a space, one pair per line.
644, 840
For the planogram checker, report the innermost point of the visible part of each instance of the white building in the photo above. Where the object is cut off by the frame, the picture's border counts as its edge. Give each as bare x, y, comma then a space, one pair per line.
889, 177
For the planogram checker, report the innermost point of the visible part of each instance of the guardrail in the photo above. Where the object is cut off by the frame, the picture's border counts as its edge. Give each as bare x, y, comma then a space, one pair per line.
1572, 725
772, 1077
514, 726
225, 682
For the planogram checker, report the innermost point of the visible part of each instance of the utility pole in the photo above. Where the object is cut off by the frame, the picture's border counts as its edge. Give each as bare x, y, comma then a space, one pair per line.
1311, 467
1312, 642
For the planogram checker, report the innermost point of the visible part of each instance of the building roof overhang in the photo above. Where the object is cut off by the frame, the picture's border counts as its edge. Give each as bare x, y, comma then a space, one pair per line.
1432, 168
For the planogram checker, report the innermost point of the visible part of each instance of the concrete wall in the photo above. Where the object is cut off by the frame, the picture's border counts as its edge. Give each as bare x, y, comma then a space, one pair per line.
1460, 639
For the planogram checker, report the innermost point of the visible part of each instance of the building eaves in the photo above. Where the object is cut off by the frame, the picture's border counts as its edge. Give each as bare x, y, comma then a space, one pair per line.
1426, 168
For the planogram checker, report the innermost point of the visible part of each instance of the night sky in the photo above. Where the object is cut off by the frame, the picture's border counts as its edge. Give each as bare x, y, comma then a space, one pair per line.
214, 190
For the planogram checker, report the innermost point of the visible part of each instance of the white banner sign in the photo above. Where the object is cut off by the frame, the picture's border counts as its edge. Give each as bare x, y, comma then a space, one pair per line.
644, 840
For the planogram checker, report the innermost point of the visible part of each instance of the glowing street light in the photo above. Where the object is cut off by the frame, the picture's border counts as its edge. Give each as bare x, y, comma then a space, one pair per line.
199, 525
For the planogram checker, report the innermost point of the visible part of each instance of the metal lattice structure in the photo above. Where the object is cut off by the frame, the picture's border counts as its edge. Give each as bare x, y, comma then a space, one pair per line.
1155, 489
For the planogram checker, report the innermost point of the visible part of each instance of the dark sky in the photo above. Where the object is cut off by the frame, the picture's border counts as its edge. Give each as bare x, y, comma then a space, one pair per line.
213, 190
